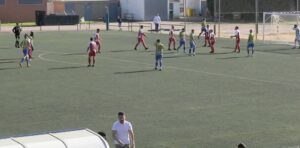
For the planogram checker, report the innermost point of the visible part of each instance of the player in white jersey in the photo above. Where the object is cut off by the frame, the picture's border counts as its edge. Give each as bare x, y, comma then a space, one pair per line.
297, 36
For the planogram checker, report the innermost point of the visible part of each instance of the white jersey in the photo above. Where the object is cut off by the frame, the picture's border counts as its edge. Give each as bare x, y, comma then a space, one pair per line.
157, 20
297, 33
122, 131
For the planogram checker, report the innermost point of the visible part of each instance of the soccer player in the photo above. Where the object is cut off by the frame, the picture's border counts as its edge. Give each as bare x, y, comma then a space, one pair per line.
25, 44
172, 39
297, 36
181, 40
17, 31
206, 36
119, 20
31, 47
192, 43
92, 49
97, 39
238, 39
212, 41
250, 45
141, 38
159, 55
203, 27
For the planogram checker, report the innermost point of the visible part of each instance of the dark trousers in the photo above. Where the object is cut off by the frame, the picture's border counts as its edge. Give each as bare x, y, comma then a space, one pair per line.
156, 27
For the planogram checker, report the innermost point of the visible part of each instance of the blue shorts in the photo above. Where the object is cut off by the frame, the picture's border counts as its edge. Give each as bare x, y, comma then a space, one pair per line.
25, 51
192, 45
158, 57
250, 45
182, 42
203, 29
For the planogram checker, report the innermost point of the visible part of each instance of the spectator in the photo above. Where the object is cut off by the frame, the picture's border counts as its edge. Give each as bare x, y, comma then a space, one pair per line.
157, 22
119, 20
123, 133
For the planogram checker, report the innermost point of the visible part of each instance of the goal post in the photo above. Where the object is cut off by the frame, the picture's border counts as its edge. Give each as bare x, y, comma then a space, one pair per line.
278, 27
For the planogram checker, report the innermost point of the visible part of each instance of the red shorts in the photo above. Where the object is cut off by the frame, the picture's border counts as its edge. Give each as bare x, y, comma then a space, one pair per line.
92, 54
141, 39
172, 39
238, 41
98, 43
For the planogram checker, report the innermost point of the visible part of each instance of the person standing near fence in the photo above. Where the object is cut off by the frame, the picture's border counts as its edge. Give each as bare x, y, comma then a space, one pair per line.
192, 43
97, 39
122, 132
157, 22
17, 31
141, 38
297, 36
172, 39
119, 20
237, 39
212, 41
250, 45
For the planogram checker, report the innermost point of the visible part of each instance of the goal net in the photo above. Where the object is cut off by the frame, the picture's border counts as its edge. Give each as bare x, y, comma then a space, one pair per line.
278, 27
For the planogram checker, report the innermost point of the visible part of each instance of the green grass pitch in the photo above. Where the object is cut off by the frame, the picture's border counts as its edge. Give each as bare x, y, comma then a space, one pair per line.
206, 101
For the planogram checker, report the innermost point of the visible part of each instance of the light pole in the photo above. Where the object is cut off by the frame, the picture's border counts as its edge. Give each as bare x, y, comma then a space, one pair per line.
219, 25
107, 17
256, 18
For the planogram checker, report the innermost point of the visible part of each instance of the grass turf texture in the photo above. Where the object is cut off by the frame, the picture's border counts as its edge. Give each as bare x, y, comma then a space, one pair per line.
205, 101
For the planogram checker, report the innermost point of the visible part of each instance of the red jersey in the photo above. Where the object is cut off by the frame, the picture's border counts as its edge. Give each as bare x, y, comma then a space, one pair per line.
92, 46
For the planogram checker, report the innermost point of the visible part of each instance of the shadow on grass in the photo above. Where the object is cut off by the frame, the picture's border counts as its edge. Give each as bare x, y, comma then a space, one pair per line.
70, 54
7, 62
67, 68
9, 68
133, 72
229, 58
177, 56
121, 50
217, 53
12, 59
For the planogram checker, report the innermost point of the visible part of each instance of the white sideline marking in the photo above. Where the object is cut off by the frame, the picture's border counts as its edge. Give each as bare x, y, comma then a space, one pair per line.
174, 68
56, 61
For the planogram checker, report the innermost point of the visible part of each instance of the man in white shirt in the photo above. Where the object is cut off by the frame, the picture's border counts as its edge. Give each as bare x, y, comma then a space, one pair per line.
123, 133
157, 21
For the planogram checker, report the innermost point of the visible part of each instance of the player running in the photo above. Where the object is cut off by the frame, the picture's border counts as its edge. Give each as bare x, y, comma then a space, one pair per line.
206, 36
250, 45
297, 36
25, 44
181, 40
212, 41
17, 31
141, 38
92, 49
159, 55
192, 43
172, 39
97, 40
238, 39
203, 27
31, 47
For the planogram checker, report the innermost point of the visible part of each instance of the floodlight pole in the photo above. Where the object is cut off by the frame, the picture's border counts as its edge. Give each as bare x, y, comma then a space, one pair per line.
107, 18
297, 12
185, 16
256, 18
219, 24
215, 14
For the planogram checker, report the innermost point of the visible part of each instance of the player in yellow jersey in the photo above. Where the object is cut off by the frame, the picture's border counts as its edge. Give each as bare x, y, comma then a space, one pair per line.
250, 45
25, 45
159, 55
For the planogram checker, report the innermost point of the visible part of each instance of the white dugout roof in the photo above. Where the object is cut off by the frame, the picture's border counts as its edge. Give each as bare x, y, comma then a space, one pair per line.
84, 138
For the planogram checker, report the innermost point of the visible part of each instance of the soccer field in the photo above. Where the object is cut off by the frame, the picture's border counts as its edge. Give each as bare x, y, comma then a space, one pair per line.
206, 101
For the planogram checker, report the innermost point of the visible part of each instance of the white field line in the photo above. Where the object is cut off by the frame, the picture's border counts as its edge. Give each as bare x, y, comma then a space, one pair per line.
176, 68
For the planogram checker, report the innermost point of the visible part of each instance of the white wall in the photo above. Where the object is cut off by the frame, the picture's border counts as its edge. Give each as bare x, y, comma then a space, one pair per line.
135, 7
